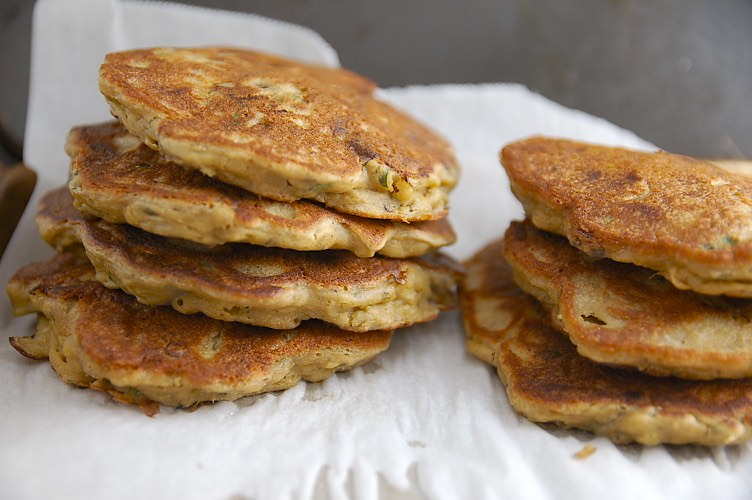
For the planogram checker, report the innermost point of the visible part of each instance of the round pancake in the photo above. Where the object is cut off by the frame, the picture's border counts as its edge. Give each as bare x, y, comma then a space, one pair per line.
547, 381
262, 286
688, 219
626, 315
117, 178
104, 339
282, 129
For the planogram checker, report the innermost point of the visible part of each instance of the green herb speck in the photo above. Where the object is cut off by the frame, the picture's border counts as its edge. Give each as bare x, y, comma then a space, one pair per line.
384, 179
318, 188
730, 240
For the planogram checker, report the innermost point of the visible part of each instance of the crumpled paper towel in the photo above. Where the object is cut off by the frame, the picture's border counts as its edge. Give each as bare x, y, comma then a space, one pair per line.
425, 420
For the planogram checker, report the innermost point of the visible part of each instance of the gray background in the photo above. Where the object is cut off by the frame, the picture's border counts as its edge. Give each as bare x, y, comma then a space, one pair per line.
676, 72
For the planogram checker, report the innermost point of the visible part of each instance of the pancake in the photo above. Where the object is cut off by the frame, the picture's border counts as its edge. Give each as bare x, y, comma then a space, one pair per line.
689, 220
104, 339
117, 178
262, 286
626, 315
547, 381
282, 129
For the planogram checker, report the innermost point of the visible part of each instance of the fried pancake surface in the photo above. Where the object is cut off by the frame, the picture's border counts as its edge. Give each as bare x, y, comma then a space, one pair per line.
688, 219
104, 339
282, 129
269, 287
547, 381
117, 178
626, 315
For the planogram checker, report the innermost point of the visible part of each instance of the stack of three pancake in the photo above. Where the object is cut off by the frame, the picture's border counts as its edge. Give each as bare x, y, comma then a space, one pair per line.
311, 239
621, 305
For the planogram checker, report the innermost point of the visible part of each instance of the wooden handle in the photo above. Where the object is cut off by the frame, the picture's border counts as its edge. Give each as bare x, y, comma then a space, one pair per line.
16, 185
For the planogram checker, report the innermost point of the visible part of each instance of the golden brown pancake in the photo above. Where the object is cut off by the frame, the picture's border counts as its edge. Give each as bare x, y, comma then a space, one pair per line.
626, 315
688, 219
262, 286
117, 178
547, 381
104, 339
282, 129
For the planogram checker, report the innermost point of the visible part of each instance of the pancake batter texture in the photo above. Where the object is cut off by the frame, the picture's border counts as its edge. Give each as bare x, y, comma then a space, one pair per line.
116, 177
688, 219
271, 287
282, 129
621, 314
547, 381
106, 340
247, 223
621, 305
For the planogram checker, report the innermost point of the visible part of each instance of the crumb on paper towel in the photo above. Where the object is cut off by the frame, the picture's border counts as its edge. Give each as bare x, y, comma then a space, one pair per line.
585, 452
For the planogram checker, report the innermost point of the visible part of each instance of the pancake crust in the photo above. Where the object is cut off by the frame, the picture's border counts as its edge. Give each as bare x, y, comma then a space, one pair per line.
626, 315
282, 129
547, 381
269, 287
104, 339
117, 178
688, 219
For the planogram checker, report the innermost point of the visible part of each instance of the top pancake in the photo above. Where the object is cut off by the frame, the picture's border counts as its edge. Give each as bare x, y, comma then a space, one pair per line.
689, 220
547, 381
282, 129
117, 178
627, 315
104, 339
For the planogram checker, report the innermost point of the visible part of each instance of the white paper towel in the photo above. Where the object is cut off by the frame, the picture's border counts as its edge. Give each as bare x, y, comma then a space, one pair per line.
425, 420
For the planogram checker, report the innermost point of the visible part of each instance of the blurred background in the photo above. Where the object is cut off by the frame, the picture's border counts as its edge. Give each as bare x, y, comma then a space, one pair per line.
676, 72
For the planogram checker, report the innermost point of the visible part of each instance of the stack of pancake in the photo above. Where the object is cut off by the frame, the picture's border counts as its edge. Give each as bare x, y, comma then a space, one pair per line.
621, 305
247, 222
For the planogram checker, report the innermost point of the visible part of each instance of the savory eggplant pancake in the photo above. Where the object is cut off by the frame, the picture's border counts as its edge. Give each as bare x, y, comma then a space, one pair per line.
104, 339
547, 381
690, 220
117, 178
269, 287
282, 129
622, 314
